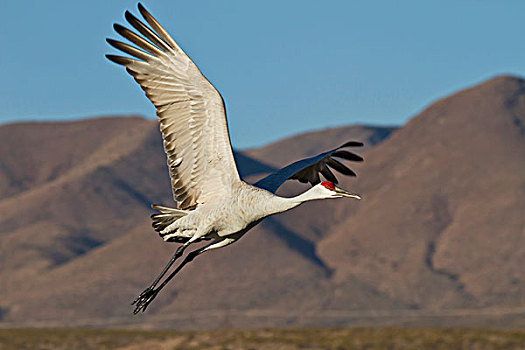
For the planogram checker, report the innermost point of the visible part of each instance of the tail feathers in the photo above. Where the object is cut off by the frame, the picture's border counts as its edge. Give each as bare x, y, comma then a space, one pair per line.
166, 217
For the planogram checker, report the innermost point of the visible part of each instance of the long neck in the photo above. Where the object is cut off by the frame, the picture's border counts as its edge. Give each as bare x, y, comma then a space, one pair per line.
280, 204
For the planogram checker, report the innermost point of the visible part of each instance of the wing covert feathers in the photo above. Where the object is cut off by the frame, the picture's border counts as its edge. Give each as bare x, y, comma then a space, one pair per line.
308, 170
191, 112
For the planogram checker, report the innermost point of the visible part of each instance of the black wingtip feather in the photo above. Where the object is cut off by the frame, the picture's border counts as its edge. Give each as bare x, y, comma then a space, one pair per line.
119, 28
343, 169
141, 7
128, 15
147, 31
113, 42
353, 144
134, 21
347, 155
118, 59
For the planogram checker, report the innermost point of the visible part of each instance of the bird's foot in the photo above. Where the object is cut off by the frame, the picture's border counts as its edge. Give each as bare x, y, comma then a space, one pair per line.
144, 299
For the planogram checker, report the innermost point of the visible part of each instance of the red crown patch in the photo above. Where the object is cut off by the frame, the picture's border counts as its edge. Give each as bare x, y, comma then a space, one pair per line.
328, 185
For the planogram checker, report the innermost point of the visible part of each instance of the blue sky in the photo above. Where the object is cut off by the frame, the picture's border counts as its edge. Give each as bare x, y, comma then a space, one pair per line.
282, 66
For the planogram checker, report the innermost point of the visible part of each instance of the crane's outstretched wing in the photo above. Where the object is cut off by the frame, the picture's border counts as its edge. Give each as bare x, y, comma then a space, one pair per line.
190, 110
308, 169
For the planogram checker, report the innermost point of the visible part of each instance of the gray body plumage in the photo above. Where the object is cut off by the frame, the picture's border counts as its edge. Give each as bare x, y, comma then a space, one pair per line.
239, 209
213, 202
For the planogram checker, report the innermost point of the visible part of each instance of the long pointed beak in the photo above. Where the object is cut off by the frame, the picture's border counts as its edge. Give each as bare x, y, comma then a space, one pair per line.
344, 193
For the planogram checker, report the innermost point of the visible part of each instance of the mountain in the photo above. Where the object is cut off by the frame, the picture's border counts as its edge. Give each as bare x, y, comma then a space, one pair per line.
442, 222
74, 199
435, 240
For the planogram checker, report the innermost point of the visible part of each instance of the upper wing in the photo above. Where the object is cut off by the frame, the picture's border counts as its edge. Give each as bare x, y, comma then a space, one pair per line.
308, 169
190, 110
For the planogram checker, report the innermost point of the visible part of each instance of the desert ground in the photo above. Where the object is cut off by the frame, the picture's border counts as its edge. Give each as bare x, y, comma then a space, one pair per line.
306, 338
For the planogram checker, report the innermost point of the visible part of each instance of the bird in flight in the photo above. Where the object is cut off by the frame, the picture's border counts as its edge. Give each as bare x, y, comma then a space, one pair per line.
213, 202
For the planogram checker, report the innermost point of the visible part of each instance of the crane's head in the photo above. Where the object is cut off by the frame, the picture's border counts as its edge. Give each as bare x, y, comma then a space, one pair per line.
327, 189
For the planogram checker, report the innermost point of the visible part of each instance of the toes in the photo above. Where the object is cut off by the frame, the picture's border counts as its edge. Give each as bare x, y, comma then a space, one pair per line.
143, 300
141, 305
144, 295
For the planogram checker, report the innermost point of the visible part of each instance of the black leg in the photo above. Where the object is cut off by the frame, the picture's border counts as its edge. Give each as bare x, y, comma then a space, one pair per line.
149, 291
178, 254
149, 294
189, 258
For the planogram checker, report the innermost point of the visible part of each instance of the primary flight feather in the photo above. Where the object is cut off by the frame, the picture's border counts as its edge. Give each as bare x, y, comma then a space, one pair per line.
213, 203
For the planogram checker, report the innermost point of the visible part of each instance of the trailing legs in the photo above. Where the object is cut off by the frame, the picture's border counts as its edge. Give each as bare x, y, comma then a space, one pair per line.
149, 294
148, 291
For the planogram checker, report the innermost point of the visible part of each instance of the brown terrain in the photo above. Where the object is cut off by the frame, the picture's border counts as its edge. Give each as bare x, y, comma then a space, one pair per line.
439, 238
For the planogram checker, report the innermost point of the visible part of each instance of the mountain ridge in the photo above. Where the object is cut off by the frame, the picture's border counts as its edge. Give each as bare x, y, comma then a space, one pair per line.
435, 240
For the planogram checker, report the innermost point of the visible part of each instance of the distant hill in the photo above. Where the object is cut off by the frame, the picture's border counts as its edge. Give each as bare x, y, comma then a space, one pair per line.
435, 241
442, 225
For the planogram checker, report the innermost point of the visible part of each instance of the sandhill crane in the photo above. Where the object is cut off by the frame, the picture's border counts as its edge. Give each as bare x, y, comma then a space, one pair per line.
213, 203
